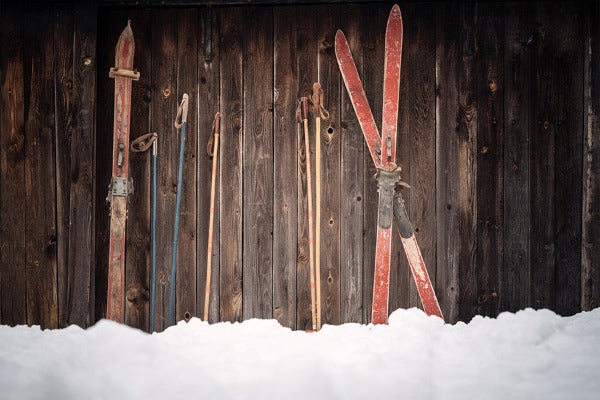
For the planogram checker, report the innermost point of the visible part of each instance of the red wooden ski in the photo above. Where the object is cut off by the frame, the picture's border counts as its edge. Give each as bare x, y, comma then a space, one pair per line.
120, 185
383, 153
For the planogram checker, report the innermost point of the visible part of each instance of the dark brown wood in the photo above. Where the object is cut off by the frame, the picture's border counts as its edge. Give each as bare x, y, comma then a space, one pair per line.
13, 281
63, 88
447, 168
138, 237
467, 165
352, 180
568, 43
82, 163
421, 164
590, 267
515, 286
230, 42
543, 127
208, 105
258, 164
373, 50
40, 184
187, 82
163, 110
285, 185
329, 77
306, 61
490, 156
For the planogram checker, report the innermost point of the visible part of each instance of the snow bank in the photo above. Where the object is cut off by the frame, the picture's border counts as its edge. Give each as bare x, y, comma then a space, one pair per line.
527, 355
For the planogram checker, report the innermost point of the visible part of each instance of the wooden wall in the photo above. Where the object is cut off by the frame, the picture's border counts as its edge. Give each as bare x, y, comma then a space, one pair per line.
498, 137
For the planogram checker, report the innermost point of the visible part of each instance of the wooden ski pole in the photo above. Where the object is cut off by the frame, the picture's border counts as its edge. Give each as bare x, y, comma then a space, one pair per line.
320, 113
303, 112
212, 150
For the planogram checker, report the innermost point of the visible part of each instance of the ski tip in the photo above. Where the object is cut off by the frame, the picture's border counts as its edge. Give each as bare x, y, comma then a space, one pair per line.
395, 11
129, 23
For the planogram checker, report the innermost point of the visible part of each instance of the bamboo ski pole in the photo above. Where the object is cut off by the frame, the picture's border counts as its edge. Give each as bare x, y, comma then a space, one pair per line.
303, 109
214, 152
180, 123
320, 113
139, 145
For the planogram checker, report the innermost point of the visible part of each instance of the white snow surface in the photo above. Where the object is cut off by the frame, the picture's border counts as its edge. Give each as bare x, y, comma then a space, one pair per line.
527, 355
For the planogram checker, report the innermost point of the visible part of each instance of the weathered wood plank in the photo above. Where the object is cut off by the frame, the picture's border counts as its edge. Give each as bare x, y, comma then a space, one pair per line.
306, 61
108, 34
467, 166
63, 89
138, 256
421, 170
330, 79
568, 144
543, 126
208, 105
258, 164
163, 111
40, 195
490, 156
230, 42
13, 280
447, 168
590, 267
81, 169
285, 208
373, 51
187, 82
515, 286
351, 180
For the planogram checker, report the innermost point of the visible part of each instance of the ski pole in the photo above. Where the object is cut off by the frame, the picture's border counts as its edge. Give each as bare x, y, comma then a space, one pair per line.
303, 112
320, 113
142, 144
180, 123
213, 150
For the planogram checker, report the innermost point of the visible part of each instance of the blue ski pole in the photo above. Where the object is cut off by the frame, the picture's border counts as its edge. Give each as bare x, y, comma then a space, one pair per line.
180, 123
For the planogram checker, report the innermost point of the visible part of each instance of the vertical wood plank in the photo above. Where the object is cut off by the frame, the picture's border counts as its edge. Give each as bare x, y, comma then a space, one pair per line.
137, 252
306, 59
40, 195
543, 126
187, 82
13, 280
208, 105
163, 111
112, 24
421, 171
590, 267
467, 165
258, 164
447, 168
330, 79
373, 50
63, 89
231, 88
285, 216
568, 143
81, 169
515, 275
490, 157
352, 180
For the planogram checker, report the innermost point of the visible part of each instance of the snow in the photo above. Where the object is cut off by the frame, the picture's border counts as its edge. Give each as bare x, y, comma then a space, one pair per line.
527, 355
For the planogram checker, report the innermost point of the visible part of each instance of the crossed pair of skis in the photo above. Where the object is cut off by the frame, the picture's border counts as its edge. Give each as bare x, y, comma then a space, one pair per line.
383, 153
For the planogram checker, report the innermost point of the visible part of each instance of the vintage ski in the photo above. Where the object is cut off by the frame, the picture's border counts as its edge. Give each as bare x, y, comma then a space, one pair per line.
120, 185
383, 153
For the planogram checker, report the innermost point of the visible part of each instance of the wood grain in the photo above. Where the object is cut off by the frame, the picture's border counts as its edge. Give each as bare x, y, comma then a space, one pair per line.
285, 185
13, 280
490, 157
231, 88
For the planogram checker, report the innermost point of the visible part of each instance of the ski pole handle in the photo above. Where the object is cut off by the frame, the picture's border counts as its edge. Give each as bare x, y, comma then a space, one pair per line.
317, 102
182, 112
216, 128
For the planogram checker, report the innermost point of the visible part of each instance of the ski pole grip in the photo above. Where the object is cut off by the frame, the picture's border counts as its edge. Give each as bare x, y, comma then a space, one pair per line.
304, 106
182, 111
215, 131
